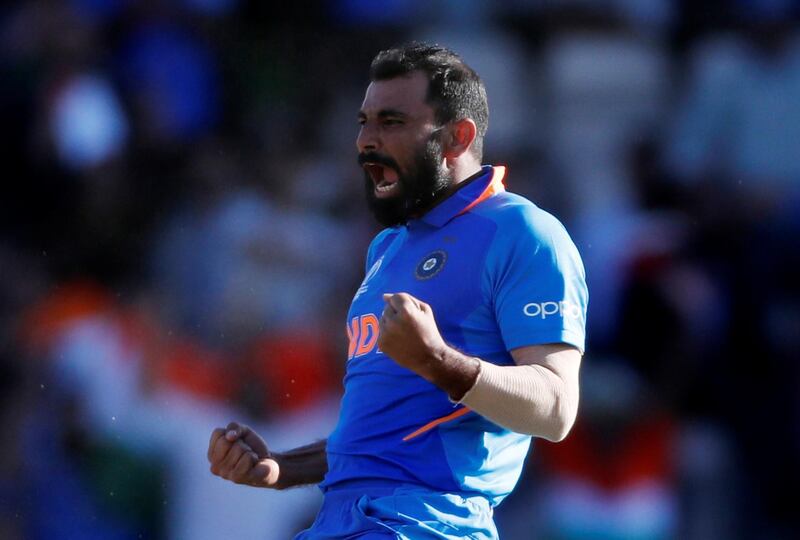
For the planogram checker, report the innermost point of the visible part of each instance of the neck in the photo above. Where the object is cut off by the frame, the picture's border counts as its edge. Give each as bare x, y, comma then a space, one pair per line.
459, 176
464, 169
457, 181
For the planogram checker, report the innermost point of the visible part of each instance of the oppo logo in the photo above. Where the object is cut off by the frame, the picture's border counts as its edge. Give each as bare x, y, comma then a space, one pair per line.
543, 310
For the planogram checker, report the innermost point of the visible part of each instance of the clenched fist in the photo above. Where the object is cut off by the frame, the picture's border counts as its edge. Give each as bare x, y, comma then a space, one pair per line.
408, 333
238, 454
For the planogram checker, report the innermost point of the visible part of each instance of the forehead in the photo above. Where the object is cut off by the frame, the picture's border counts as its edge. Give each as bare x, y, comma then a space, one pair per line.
404, 94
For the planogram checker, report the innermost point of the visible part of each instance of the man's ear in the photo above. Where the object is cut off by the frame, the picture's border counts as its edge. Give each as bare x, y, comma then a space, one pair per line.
459, 138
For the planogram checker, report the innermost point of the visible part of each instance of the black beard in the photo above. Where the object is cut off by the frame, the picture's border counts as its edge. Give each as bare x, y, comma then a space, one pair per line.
420, 187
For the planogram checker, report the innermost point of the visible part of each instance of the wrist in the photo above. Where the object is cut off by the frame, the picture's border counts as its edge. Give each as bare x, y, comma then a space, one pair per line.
435, 365
452, 371
300, 466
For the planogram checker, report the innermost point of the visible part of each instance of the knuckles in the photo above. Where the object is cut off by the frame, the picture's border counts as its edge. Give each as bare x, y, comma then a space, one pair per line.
404, 298
233, 455
235, 465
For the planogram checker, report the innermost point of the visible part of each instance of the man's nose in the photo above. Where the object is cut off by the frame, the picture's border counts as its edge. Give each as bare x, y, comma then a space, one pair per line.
368, 139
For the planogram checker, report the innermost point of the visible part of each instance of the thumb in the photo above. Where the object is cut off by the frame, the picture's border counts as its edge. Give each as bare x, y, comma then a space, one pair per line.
387, 297
265, 473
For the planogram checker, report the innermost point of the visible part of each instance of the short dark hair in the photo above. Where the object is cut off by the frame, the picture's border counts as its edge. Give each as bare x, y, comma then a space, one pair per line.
454, 89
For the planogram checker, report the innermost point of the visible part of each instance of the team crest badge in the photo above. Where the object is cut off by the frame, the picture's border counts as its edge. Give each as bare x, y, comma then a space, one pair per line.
431, 264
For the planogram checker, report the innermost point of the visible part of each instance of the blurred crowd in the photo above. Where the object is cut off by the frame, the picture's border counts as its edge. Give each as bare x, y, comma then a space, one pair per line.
184, 226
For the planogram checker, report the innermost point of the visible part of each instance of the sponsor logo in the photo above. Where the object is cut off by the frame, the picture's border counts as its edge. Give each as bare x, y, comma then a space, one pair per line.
542, 310
362, 333
430, 265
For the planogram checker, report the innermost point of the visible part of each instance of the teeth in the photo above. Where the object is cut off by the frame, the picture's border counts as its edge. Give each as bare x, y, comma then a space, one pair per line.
385, 189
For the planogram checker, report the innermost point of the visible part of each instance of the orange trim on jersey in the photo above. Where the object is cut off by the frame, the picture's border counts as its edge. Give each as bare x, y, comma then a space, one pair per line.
494, 187
430, 425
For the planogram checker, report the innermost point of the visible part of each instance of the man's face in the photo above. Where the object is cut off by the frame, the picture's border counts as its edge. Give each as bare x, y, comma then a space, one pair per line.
400, 150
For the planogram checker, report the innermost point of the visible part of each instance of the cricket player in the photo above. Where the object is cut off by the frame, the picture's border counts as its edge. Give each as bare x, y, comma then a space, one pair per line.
466, 334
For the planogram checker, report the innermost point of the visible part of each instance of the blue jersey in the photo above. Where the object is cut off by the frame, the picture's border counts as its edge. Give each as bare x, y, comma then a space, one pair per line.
499, 273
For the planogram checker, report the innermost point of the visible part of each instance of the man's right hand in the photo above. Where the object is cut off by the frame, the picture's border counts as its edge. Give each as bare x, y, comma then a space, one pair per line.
238, 454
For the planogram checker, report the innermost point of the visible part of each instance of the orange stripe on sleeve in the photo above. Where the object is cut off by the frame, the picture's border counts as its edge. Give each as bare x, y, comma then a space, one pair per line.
430, 425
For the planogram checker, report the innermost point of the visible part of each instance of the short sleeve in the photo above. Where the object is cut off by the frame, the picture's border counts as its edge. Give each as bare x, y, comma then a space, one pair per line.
536, 281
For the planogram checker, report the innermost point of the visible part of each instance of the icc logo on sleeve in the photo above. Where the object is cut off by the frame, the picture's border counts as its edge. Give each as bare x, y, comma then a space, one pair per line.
430, 265
371, 274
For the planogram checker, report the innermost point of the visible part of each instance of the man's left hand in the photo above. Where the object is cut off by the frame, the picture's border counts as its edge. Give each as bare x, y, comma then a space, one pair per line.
408, 333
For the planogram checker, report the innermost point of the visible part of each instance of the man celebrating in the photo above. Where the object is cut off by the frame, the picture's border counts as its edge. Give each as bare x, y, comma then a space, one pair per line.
466, 334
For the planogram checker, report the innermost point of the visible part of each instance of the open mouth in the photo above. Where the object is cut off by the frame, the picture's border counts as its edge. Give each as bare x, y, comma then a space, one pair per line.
384, 178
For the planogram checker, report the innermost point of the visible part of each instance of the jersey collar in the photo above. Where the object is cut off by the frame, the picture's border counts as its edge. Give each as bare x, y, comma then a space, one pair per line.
489, 182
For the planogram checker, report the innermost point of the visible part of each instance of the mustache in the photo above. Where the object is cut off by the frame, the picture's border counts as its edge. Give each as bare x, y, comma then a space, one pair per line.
374, 157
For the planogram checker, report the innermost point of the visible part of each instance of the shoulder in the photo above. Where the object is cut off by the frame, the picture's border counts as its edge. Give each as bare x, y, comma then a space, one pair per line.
384, 235
378, 244
518, 219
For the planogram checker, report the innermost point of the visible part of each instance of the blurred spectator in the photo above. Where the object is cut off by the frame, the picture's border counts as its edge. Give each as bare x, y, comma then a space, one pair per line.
229, 262
87, 122
616, 475
116, 387
739, 121
604, 87
172, 78
736, 143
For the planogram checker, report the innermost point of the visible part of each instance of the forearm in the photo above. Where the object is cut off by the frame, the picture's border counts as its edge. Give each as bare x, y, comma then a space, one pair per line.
538, 400
538, 396
529, 399
302, 466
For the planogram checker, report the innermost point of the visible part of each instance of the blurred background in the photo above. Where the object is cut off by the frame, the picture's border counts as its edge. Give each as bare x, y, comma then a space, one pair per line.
183, 227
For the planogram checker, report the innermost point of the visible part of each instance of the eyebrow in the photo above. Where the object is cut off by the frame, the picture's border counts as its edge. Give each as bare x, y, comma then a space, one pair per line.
385, 113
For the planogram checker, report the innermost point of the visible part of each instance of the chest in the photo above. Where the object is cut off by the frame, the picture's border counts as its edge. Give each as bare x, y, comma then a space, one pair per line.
443, 267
